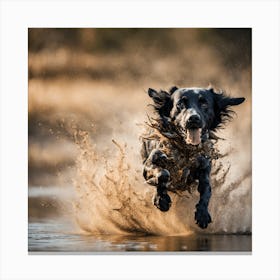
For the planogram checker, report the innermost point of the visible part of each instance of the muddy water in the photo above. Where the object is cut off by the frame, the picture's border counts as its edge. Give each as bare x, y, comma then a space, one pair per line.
58, 236
52, 229
108, 208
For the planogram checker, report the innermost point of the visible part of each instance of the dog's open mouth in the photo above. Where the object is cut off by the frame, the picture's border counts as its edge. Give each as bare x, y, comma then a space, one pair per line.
193, 136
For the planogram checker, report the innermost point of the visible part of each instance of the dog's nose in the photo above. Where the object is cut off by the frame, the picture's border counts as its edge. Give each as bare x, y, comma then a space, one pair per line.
194, 119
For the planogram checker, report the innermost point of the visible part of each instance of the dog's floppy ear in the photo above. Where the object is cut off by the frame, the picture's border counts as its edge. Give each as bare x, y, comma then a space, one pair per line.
173, 89
231, 101
222, 104
162, 101
158, 97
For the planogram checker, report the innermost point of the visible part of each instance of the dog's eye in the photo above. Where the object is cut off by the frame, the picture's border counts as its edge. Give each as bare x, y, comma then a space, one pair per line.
180, 106
203, 102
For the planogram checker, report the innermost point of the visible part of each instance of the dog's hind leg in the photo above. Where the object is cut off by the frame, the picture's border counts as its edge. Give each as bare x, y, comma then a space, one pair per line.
157, 175
202, 215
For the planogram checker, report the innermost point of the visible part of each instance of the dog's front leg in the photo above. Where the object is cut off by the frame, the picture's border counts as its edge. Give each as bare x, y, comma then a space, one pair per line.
202, 215
157, 175
162, 200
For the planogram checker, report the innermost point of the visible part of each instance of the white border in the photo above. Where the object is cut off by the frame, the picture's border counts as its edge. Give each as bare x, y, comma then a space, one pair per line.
17, 16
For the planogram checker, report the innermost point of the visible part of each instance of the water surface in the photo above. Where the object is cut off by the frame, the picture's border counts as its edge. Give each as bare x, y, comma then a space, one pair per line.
51, 236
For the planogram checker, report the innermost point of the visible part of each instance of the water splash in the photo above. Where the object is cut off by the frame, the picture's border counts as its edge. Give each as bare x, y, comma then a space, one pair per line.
112, 198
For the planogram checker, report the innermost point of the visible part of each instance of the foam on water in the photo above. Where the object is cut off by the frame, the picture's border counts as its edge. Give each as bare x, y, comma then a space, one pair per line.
112, 197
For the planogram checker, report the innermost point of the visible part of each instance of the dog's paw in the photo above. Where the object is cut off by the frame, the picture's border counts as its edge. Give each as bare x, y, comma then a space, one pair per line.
162, 202
202, 217
159, 158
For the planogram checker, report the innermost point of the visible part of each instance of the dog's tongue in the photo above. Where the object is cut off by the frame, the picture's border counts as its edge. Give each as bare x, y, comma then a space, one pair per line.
193, 136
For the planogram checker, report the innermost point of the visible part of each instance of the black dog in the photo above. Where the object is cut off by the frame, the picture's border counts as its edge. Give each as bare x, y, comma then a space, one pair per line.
178, 146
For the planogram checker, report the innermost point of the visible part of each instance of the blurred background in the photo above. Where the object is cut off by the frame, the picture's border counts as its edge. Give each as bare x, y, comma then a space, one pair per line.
96, 80
91, 76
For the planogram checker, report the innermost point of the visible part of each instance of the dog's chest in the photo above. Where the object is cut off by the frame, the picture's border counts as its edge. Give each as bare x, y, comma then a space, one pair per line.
182, 163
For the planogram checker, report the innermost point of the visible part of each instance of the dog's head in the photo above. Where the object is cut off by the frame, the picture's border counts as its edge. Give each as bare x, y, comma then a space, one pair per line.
194, 111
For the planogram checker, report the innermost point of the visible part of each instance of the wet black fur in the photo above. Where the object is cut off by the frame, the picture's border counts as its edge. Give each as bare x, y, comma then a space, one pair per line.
213, 110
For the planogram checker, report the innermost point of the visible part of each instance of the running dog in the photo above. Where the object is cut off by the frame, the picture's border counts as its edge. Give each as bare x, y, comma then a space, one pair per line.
177, 148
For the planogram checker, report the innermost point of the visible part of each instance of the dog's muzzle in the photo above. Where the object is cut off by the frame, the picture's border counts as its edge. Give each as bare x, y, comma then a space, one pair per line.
193, 130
